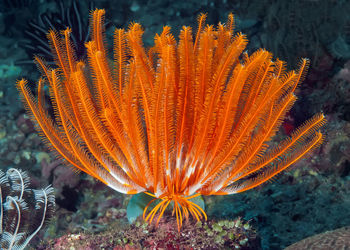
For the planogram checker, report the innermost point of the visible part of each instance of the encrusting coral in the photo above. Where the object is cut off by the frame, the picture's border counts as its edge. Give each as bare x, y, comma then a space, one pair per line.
179, 120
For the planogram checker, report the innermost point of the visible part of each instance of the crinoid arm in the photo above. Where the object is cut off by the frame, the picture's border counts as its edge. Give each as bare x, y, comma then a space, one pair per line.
23, 211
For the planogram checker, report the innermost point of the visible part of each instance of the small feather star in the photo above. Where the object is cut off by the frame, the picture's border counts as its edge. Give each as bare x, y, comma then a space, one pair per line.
182, 119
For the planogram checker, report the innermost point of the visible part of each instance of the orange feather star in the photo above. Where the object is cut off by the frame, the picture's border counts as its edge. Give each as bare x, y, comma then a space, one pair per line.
180, 120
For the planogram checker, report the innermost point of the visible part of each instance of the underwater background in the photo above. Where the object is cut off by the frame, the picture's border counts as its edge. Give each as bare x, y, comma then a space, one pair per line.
310, 198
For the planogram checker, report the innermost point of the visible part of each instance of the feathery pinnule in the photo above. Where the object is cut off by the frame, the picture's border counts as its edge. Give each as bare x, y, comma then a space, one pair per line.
176, 121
